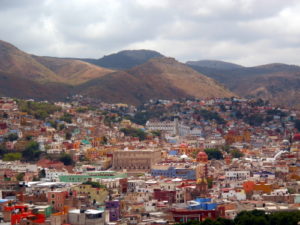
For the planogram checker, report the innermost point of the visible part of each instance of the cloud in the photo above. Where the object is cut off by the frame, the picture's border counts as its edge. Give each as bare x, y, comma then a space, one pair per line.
241, 31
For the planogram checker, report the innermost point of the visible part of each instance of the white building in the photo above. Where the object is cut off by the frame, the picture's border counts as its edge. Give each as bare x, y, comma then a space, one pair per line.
53, 174
237, 175
172, 128
236, 194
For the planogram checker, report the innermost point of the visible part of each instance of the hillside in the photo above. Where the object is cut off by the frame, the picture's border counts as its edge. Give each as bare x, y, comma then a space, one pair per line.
46, 69
215, 64
125, 59
15, 61
18, 87
158, 78
72, 71
279, 83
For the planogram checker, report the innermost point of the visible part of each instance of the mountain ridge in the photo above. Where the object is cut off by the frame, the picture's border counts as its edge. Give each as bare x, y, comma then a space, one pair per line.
125, 59
158, 77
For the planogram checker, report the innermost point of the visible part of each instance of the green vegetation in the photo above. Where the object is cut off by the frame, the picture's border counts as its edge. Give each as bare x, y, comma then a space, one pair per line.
31, 152
156, 133
209, 115
238, 114
276, 112
66, 159
20, 176
210, 182
85, 109
111, 119
42, 173
259, 102
235, 153
254, 217
67, 117
134, 132
95, 184
12, 156
61, 126
82, 109
53, 123
11, 137
143, 116
254, 120
213, 153
40, 110
28, 137
4, 116
68, 136
104, 140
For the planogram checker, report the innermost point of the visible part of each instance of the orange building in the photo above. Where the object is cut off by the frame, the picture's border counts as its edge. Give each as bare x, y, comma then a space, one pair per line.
250, 186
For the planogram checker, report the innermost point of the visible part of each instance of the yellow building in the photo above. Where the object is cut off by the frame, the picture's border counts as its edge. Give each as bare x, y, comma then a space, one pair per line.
94, 194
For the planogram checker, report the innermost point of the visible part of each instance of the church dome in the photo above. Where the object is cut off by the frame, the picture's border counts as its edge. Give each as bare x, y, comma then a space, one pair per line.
202, 157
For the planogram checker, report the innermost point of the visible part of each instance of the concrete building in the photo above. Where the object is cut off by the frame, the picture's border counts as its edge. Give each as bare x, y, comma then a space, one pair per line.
184, 171
94, 194
135, 159
172, 127
93, 175
237, 175
86, 217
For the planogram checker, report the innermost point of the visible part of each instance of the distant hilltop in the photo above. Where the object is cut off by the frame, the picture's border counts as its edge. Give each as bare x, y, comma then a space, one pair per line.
135, 76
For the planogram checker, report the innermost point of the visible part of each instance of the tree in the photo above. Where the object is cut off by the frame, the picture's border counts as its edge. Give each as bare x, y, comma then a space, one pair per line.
20, 176
133, 132
67, 117
40, 110
31, 152
42, 173
53, 123
104, 140
235, 153
213, 153
209, 115
29, 137
66, 159
12, 156
254, 120
156, 133
12, 137
95, 184
68, 136
210, 182
61, 126
82, 109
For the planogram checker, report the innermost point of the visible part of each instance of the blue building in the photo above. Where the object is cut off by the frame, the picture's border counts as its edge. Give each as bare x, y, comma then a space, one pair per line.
202, 204
174, 172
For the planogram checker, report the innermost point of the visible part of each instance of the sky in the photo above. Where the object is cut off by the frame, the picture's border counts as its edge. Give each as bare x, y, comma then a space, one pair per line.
246, 32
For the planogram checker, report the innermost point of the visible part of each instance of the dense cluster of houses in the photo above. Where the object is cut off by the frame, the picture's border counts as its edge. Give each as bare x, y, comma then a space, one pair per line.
113, 178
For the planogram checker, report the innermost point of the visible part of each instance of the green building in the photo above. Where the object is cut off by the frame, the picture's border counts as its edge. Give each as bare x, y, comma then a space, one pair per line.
80, 178
44, 209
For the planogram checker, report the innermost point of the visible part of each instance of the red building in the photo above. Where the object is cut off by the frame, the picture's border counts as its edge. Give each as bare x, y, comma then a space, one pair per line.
186, 215
21, 212
123, 185
57, 199
161, 195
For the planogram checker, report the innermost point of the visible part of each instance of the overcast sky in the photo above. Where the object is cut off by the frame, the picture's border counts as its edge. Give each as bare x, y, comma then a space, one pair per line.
248, 32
